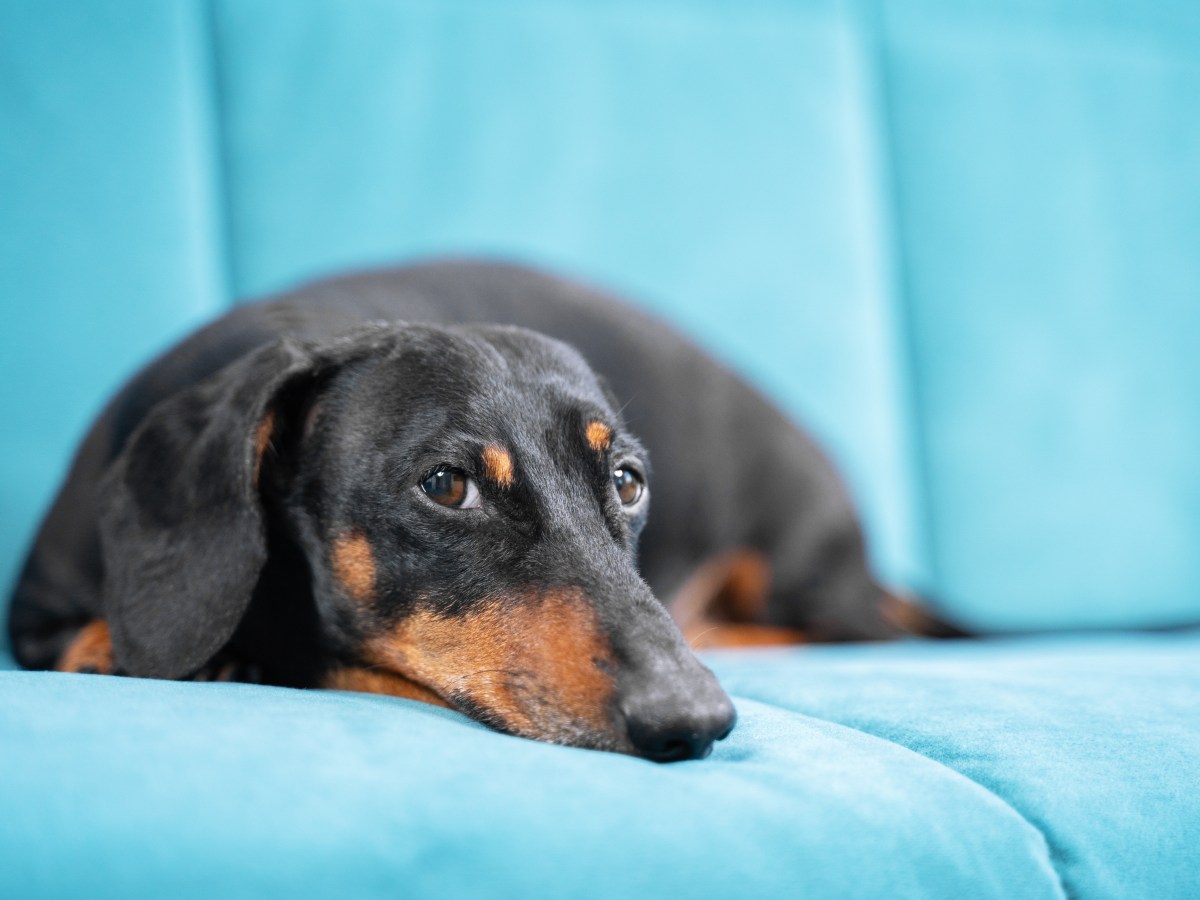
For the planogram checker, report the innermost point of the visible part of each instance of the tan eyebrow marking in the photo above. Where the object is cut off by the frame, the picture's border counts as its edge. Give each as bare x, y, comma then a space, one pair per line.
354, 565
599, 436
262, 441
498, 465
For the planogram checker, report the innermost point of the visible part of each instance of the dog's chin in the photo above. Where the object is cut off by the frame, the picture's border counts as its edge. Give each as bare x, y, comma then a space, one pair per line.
536, 718
545, 723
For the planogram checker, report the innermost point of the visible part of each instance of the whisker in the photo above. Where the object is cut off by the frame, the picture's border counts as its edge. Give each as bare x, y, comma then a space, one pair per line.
469, 675
694, 642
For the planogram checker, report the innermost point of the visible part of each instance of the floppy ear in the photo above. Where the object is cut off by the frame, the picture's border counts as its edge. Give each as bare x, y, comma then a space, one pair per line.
182, 531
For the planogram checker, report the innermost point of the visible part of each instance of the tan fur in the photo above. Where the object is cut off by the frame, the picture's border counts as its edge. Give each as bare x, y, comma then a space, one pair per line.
498, 465
909, 616
91, 648
379, 681
354, 565
539, 666
724, 603
599, 436
262, 441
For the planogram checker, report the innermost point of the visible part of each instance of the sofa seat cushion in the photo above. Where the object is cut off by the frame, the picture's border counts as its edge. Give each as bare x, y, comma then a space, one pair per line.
922, 770
1094, 740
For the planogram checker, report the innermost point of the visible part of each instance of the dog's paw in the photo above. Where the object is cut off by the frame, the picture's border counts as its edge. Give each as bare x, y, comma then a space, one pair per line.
89, 652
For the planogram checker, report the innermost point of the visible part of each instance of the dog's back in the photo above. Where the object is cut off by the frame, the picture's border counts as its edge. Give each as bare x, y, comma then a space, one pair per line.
729, 470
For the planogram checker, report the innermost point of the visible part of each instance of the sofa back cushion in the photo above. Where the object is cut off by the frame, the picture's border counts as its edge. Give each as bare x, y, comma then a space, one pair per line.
958, 244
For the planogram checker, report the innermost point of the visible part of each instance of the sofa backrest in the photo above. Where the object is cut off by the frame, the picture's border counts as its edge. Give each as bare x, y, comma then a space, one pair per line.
959, 241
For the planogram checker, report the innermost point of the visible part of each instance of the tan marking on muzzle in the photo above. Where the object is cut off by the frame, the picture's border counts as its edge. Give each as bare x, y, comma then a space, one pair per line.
354, 565
91, 648
538, 666
498, 465
599, 436
379, 681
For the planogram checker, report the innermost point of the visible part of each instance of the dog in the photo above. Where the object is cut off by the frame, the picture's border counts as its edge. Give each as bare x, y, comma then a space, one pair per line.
414, 482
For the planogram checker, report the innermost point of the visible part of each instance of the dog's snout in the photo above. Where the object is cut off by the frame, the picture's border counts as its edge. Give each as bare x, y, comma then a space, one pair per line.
666, 728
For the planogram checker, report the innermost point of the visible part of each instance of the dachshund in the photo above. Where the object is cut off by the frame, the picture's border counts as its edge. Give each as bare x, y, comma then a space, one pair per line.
425, 482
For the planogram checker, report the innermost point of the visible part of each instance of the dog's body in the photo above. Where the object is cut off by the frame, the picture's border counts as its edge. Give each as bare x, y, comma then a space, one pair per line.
266, 506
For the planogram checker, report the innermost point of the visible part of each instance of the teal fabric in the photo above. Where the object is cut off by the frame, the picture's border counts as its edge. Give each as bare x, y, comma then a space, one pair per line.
1015, 769
718, 161
1095, 741
955, 239
109, 244
1047, 158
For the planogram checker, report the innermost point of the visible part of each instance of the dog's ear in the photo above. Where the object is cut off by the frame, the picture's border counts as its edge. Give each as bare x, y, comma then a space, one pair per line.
182, 531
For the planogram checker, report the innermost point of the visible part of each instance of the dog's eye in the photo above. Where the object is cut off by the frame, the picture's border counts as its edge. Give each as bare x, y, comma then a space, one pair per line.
629, 484
451, 487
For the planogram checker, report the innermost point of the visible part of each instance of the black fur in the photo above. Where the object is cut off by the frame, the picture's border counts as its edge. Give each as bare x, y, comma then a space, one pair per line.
199, 554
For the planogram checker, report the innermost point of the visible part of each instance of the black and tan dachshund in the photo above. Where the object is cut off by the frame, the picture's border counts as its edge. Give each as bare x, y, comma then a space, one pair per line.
370, 484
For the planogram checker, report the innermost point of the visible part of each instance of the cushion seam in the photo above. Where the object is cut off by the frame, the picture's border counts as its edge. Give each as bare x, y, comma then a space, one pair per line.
1038, 829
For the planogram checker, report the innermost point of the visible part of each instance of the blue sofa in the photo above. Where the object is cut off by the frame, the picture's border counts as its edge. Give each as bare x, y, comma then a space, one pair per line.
959, 240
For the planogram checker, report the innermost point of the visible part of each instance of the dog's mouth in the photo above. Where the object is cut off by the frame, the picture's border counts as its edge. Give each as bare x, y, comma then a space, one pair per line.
536, 666
541, 667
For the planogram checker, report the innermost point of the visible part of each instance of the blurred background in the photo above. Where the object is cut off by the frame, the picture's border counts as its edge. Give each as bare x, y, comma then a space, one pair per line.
960, 241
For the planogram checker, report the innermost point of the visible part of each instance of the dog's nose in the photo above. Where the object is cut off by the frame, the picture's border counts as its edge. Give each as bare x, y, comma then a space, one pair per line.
671, 732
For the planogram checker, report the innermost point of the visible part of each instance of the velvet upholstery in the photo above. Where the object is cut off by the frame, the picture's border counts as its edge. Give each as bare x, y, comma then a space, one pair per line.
1037, 768
956, 239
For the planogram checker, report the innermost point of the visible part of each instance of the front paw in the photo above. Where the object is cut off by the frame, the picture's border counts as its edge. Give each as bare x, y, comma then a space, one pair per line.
89, 652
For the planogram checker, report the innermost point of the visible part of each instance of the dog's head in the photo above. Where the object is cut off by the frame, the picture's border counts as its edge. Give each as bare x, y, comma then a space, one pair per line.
466, 504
